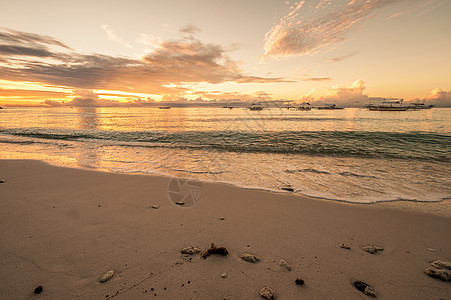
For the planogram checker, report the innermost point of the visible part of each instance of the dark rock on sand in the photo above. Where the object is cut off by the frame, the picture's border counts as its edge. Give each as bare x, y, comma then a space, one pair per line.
249, 257
38, 290
439, 274
268, 293
190, 250
372, 249
2, 181
214, 250
180, 203
365, 288
299, 281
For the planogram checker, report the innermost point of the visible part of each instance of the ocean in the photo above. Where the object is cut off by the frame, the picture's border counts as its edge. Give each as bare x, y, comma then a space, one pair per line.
351, 155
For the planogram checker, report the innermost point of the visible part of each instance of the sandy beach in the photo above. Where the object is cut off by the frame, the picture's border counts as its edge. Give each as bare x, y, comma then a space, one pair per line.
63, 228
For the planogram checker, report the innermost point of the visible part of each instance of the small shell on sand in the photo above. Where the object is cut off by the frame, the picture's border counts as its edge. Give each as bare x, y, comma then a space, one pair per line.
221, 218
249, 257
284, 264
190, 250
345, 246
439, 274
107, 276
372, 249
267, 293
224, 275
365, 288
155, 206
439, 264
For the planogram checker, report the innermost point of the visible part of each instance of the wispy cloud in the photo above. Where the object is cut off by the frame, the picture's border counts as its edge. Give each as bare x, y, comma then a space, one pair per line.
313, 25
190, 29
343, 57
112, 35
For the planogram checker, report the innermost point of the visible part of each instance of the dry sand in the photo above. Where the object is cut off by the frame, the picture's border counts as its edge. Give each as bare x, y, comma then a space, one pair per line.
64, 228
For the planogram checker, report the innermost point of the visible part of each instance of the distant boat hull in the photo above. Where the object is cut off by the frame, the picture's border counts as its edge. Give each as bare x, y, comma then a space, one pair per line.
388, 108
164, 107
256, 108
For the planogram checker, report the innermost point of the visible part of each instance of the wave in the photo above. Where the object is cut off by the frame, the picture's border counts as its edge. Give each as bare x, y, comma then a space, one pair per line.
410, 145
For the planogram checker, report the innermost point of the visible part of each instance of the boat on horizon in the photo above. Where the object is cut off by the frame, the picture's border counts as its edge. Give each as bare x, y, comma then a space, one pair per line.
329, 106
304, 106
420, 105
164, 107
255, 106
388, 104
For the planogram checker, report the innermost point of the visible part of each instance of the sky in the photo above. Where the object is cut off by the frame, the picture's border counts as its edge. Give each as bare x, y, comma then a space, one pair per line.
137, 52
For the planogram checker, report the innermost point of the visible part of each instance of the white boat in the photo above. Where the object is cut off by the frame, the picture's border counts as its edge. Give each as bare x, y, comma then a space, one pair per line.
255, 106
388, 104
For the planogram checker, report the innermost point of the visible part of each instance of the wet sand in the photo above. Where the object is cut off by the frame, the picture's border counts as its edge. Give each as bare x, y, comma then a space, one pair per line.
63, 228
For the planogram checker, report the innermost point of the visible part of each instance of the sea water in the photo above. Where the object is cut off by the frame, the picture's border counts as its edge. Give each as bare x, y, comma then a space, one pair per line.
352, 155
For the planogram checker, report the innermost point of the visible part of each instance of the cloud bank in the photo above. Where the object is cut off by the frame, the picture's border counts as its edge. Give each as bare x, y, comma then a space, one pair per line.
166, 69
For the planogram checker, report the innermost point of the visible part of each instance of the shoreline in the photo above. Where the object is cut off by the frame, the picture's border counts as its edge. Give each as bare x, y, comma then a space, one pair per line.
63, 228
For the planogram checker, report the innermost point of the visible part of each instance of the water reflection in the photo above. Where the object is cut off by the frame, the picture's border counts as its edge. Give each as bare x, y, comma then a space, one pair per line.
88, 155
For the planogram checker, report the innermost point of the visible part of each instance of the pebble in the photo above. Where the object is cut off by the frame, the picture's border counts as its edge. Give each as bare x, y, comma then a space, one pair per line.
2, 181
267, 293
224, 275
365, 288
38, 290
249, 257
372, 249
441, 264
155, 206
180, 203
345, 246
284, 264
299, 281
190, 250
439, 274
221, 218
107, 276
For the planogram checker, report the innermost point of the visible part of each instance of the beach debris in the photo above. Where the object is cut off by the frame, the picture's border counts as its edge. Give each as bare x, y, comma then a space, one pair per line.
214, 250
155, 206
180, 203
249, 257
345, 246
221, 218
190, 250
107, 276
38, 290
268, 293
299, 281
2, 181
372, 249
365, 288
224, 275
179, 262
284, 264
439, 274
441, 264
287, 188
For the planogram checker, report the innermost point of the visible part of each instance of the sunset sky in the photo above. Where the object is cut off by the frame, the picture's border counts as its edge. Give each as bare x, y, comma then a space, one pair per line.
110, 52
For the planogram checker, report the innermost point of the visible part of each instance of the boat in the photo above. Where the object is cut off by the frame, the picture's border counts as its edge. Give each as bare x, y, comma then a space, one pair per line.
329, 106
228, 106
304, 106
255, 106
164, 107
388, 104
420, 105
1, 107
